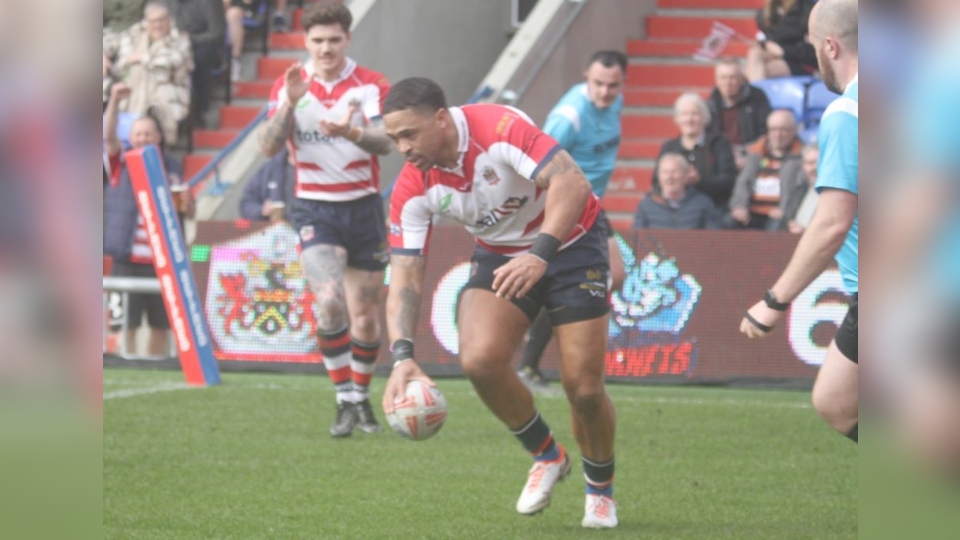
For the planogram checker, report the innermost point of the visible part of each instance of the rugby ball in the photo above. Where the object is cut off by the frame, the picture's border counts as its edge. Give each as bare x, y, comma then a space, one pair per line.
419, 412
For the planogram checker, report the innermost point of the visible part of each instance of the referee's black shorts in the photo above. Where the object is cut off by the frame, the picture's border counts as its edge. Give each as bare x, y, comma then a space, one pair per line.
847, 334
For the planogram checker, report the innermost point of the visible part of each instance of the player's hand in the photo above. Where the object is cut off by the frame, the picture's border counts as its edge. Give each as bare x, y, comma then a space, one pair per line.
795, 227
296, 86
763, 315
517, 277
740, 215
267, 208
119, 91
776, 213
397, 383
341, 128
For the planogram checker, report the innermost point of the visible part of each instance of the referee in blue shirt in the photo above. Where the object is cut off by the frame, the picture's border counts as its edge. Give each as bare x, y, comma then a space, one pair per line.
586, 122
833, 29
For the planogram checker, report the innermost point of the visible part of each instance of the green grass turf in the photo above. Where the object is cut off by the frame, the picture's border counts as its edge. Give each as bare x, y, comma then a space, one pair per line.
252, 459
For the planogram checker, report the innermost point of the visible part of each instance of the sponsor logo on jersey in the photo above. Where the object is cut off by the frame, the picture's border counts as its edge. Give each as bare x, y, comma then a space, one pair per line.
445, 202
509, 207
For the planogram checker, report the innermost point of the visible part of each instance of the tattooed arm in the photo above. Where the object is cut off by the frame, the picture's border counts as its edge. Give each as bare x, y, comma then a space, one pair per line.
567, 194
276, 130
403, 298
403, 312
372, 138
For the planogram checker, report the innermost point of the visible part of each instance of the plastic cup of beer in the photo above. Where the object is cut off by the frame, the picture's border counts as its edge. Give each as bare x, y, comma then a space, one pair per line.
276, 210
181, 196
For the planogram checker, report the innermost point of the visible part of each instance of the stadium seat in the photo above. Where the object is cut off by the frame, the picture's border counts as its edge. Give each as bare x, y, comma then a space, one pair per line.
818, 98
787, 93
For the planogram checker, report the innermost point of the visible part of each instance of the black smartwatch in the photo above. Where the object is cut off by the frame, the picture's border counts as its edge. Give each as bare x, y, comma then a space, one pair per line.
772, 303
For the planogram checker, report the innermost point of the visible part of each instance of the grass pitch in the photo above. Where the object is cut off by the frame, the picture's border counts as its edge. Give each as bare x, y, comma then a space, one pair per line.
252, 459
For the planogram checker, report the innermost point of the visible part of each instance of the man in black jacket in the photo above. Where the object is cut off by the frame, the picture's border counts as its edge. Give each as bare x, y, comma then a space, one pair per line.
737, 109
204, 22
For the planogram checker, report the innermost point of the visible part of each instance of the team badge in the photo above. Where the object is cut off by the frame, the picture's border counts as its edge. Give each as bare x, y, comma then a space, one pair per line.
490, 175
306, 233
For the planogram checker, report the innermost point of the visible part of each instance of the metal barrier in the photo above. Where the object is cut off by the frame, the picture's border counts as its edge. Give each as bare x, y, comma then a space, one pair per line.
126, 286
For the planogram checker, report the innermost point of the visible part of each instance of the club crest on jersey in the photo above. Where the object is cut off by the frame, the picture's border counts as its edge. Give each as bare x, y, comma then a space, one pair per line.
306, 233
490, 175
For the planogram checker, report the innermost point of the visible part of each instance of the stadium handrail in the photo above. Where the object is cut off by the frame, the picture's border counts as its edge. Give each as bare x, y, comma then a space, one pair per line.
226, 150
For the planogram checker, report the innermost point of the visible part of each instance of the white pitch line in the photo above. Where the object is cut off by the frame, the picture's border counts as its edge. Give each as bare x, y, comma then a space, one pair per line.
131, 392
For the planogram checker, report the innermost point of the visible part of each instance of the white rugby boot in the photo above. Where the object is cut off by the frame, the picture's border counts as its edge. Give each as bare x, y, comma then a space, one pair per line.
600, 512
541, 479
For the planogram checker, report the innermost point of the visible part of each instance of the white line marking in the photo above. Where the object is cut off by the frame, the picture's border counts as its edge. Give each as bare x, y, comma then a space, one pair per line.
131, 392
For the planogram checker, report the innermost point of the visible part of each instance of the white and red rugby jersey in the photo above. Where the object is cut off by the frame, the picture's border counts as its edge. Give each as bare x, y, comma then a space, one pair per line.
333, 168
491, 192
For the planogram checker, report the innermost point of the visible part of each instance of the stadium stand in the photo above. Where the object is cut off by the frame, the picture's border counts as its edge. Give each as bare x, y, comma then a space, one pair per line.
661, 68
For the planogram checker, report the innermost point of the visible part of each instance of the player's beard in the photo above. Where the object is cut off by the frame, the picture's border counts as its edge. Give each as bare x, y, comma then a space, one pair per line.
827, 73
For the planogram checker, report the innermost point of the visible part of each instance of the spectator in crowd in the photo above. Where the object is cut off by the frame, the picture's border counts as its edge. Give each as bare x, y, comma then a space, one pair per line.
678, 205
155, 61
118, 15
125, 235
714, 168
762, 190
273, 183
203, 21
237, 11
802, 203
737, 109
782, 47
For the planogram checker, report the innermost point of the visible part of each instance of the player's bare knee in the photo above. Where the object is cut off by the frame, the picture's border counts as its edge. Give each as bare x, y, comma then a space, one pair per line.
834, 409
365, 326
585, 400
479, 369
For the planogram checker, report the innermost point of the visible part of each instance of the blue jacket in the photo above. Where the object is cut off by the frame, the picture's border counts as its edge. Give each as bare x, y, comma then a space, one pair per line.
695, 211
269, 182
120, 211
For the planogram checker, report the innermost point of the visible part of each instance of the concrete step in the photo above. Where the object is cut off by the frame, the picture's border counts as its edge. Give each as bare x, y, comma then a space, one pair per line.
678, 48
194, 162
625, 202
640, 148
213, 138
286, 40
672, 27
660, 97
710, 4
711, 12
237, 116
649, 127
621, 222
661, 75
632, 179
259, 89
271, 67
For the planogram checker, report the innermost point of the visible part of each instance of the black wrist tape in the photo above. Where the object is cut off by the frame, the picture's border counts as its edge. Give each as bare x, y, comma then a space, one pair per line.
402, 349
545, 246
